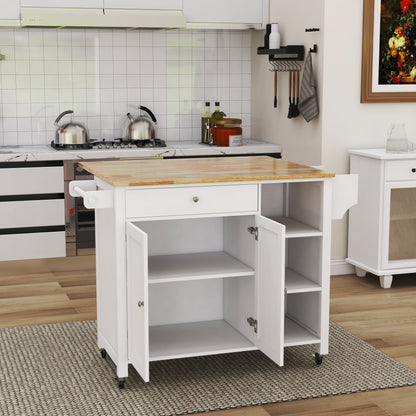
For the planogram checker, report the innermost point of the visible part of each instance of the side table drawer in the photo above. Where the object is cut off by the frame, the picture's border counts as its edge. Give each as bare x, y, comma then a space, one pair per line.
400, 170
191, 200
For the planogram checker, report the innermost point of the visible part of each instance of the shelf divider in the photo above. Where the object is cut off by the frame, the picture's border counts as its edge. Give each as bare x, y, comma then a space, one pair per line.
297, 283
195, 266
296, 229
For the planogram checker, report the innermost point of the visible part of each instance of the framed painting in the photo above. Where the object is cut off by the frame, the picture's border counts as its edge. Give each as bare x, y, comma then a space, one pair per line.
388, 72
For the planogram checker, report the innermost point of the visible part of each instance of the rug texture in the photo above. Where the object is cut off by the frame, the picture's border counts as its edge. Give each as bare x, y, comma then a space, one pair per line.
57, 370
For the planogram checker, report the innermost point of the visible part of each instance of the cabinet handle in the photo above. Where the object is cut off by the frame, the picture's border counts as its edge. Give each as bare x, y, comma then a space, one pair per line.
140, 304
195, 199
413, 170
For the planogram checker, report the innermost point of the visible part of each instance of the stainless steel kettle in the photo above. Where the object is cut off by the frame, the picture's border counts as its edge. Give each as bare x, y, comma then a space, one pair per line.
143, 127
72, 133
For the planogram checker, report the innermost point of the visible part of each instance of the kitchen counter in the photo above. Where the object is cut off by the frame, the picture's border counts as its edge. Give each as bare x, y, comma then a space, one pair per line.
203, 170
173, 149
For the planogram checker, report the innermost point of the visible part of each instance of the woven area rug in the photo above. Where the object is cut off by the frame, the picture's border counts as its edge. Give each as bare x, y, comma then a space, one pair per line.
57, 370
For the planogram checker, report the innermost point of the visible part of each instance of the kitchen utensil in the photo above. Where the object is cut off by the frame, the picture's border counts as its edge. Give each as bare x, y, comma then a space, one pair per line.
275, 89
72, 133
143, 127
289, 114
295, 109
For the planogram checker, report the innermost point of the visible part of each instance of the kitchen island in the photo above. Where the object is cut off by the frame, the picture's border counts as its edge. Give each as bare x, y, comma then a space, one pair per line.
209, 256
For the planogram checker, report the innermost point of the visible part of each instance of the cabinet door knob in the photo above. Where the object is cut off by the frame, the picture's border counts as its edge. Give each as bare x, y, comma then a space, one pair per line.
195, 199
140, 304
413, 170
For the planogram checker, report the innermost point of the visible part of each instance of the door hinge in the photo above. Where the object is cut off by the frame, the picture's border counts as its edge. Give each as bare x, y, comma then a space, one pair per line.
252, 322
255, 231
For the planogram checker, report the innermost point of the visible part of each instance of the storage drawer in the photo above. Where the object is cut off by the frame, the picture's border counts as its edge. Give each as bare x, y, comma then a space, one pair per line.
32, 180
400, 170
32, 213
191, 201
32, 245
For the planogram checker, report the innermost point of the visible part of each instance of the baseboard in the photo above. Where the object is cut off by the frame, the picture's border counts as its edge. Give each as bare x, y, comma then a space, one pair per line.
341, 267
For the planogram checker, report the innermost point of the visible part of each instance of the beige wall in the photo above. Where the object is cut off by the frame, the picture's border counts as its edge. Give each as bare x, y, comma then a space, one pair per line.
344, 123
301, 141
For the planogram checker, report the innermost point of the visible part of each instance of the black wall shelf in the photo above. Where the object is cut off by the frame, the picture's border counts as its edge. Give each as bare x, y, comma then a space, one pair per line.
285, 53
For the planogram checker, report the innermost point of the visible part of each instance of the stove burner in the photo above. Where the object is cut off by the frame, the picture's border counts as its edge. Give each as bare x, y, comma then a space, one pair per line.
70, 146
150, 143
118, 143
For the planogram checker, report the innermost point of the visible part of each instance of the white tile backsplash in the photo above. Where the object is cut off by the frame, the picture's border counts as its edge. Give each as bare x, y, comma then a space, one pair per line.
102, 74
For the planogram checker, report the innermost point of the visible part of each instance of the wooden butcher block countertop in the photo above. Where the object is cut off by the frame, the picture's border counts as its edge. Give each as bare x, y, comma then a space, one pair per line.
199, 170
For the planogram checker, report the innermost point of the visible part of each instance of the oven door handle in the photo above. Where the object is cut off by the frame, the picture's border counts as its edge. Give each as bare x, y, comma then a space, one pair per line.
92, 198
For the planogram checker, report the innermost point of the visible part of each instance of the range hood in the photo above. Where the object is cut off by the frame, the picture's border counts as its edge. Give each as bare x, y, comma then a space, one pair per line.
112, 18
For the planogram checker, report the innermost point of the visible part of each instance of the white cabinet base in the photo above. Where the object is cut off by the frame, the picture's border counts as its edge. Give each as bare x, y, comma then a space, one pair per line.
385, 281
360, 272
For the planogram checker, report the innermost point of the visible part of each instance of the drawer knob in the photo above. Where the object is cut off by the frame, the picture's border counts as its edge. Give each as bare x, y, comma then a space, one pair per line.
413, 170
140, 303
195, 199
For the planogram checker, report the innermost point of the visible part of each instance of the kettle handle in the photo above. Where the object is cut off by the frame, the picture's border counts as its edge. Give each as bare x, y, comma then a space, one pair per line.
61, 115
152, 116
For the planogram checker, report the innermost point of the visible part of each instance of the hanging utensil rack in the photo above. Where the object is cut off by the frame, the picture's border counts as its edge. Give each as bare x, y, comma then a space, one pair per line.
287, 58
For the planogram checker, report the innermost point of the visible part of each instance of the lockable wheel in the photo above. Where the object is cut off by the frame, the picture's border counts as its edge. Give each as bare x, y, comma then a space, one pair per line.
318, 358
103, 353
120, 383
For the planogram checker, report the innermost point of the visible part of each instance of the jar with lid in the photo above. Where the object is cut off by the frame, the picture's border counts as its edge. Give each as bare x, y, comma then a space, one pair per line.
226, 132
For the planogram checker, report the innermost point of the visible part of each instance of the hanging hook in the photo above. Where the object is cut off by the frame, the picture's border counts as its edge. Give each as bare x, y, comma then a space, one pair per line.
314, 49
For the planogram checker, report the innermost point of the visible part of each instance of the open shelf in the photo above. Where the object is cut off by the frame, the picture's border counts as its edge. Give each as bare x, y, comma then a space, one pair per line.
296, 283
194, 339
297, 229
195, 266
298, 335
287, 53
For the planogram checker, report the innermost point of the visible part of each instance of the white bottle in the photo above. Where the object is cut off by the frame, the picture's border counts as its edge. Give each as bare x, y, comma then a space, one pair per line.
274, 38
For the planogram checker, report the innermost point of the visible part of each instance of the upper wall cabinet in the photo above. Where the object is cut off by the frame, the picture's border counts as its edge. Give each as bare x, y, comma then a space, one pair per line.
233, 13
10, 13
71, 4
143, 4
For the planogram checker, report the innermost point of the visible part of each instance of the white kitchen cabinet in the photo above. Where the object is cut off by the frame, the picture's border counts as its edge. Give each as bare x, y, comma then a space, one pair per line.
10, 13
382, 227
32, 210
143, 4
200, 13
70, 4
216, 277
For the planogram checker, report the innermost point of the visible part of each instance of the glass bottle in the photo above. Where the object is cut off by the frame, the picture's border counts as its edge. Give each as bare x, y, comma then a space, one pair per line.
217, 114
205, 122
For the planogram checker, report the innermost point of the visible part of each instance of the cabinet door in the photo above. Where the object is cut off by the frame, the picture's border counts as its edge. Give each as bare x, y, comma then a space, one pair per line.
270, 266
137, 300
399, 225
143, 4
218, 11
82, 4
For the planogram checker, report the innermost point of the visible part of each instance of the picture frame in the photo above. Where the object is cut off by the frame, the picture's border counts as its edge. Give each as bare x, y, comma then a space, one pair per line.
378, 59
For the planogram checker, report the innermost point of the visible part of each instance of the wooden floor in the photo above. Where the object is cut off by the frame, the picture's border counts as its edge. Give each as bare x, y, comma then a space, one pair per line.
59, 290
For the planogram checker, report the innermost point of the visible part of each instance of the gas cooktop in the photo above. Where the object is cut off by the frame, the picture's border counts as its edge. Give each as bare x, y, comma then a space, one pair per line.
112, 144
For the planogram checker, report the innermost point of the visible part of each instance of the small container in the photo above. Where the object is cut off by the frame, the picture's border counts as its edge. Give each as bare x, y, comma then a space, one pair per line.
226, 132
274, 38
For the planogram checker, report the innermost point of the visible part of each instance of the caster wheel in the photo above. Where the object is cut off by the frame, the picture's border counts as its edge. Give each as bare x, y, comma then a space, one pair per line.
318, 358
120, 384
103, 353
